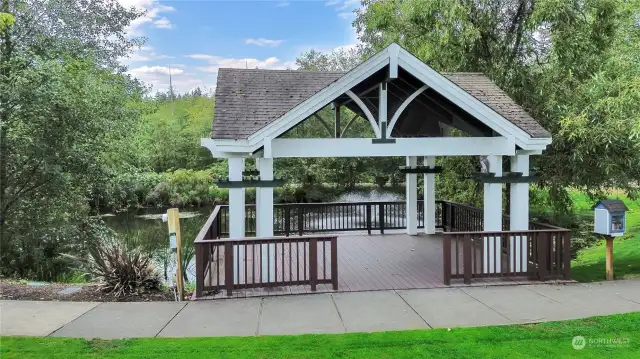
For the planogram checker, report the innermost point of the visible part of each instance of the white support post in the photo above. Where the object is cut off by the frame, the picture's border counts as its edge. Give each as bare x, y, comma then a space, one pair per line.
430, 197
493, 217
519, 213
411, 198
382, 112
264, 219
237, 215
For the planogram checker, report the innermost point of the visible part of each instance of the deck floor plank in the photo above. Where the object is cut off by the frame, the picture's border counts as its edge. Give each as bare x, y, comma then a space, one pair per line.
365, 262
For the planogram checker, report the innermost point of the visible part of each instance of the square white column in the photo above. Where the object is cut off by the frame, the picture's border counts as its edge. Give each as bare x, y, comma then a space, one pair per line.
430, 197
411, 184
519, 213
264, 199
237, 216
264, 220
493, 217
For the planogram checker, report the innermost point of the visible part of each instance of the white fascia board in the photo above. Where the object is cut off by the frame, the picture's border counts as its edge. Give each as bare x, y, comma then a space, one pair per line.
320, 99
464, 100
227, 148
363, 147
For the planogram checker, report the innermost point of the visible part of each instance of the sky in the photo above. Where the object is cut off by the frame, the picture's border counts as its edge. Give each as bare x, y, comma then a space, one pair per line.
192, 39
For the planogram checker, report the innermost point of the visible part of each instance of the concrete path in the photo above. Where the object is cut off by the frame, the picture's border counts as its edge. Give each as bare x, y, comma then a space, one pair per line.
322, 313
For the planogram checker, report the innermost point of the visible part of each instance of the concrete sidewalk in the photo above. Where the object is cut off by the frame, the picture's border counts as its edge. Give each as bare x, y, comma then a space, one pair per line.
322, 313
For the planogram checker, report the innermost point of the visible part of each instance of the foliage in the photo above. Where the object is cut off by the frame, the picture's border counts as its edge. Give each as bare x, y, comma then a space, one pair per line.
590, 263
121, 270
63, 100
572, 65
549, 340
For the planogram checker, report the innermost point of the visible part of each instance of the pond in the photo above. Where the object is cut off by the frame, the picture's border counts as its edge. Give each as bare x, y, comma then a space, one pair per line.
144, 227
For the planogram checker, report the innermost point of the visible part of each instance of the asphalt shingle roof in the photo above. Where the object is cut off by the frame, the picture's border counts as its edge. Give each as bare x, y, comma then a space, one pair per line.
613, 205
247, 100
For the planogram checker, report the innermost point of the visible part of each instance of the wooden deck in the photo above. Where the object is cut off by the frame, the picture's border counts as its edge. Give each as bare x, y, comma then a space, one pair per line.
373, 262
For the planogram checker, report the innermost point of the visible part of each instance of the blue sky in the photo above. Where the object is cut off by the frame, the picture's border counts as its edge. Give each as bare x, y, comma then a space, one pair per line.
194, 38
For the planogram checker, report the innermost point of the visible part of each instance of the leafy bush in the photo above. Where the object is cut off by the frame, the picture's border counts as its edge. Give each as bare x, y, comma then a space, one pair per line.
121, 270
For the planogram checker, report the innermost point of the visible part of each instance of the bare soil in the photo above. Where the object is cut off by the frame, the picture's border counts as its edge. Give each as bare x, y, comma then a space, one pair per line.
12, 290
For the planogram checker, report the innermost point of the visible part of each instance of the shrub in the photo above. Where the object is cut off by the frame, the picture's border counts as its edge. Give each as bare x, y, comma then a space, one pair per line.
121, 270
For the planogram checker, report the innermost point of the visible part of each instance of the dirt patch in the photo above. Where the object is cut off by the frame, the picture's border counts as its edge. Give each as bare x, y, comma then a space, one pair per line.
10, 290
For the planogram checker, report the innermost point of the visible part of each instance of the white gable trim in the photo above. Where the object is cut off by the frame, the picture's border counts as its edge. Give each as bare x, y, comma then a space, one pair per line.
404, 105
467, 102
366, 111
394, 56
320, 99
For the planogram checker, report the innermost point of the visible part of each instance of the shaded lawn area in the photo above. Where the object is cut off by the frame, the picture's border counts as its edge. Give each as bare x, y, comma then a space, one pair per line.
590, 264
544, 340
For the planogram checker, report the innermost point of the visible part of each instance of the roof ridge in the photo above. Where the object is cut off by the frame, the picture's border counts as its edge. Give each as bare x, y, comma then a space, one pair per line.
282, 70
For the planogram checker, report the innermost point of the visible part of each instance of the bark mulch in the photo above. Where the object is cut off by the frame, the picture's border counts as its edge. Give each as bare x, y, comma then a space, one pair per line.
12, 290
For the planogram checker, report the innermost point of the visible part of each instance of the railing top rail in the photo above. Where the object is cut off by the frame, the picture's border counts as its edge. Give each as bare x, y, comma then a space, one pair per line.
205, 228
549, 226
338, 203
292, 239
508, 232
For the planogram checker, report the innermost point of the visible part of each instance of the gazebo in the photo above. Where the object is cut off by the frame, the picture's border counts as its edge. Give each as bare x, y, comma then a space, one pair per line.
415, 112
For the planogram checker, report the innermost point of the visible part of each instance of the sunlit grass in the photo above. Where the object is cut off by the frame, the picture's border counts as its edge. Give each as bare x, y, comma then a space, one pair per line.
546, 340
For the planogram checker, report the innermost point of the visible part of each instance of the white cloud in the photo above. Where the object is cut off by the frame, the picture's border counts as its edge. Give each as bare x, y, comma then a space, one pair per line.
155, 70
200, 56
283, 4
152, 9
331, 3
163, 23
217, 62
349, 4
182, 81
263, 42
144, 53
346, 15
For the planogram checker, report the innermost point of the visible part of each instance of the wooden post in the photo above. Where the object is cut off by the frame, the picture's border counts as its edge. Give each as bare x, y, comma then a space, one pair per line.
381, 216
446, 260
334, 263
466, 258
368, 218
199, 249
566, 253
228, 268
300, 220
173, 221
313, 263
609, 265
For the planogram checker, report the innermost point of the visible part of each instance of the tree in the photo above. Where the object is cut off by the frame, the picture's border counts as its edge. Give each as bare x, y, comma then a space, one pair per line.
63, 102
573, 65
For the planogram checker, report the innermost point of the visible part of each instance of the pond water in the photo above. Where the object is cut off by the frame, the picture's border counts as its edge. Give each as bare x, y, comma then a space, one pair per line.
145, 227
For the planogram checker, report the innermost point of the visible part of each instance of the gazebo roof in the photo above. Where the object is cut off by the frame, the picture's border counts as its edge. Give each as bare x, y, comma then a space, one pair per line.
249, 99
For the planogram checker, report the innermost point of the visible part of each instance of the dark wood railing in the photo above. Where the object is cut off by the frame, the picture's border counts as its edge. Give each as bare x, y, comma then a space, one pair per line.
228, 264
539, 254
305, 218
296, 257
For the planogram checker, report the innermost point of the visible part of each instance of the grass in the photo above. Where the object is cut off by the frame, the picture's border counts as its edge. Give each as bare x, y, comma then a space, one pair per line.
553, 339
590, 264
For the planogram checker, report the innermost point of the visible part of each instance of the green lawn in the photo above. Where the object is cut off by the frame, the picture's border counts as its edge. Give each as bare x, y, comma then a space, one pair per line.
544, 340
590, 264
